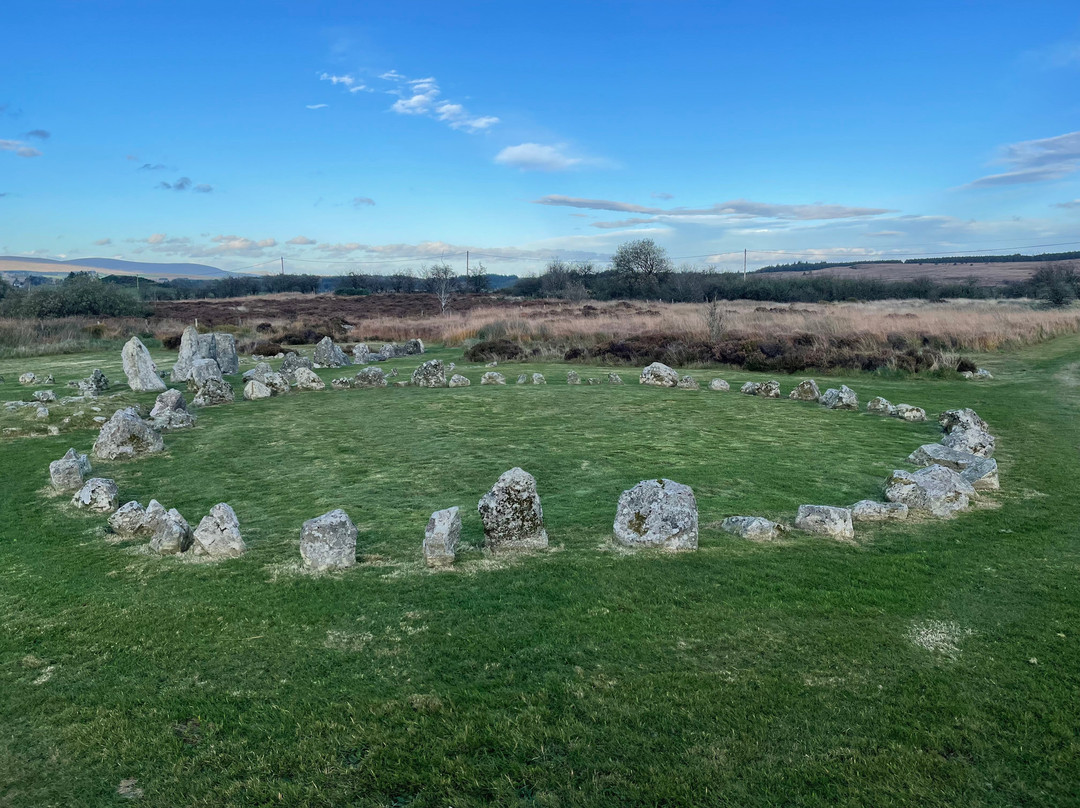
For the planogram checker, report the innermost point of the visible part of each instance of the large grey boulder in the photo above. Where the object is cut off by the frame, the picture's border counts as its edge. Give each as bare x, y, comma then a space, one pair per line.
328, 541
126, 435
98, 495
258, 373
293, 362
965, 418
169, 531
657, 513
370, 377
457, 380
842, 399
659, 375
430, 374
66, 474
930, 453
719, 386
806, 390
277, 383
935, 489
825, 520
982, 475
976, 441
189, 352
141, 372
129, 521
218, 534
170, 412
222, 349
441, 537
756, 528
202, 371
511, 513
214, 392
492, 377
254, 390
329, 355
881, 406
361, 353
307, 379
867, 510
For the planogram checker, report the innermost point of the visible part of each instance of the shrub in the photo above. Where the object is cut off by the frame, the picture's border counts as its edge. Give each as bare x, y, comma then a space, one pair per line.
496, 349
966, 366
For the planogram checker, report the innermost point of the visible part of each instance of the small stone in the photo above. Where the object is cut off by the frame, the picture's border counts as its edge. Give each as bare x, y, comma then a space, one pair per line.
258, 373
218, 534
688, 383
538, 378
719, 386
129, 521
965, 418
42, 412
97, 494
492, 377
983, 373
906, 412
522, 379
881, 406
572, 377
659, 375
756, 528
842, 399
657, 513
27, 378
328, 541
307, 379
614, 378
255, 390
457, 380
592, 380
492, 365
169, 531
867, 510
171, 412
441, 537
806, 390
511, 512
825, 520
214, 392
370, 377
44, 396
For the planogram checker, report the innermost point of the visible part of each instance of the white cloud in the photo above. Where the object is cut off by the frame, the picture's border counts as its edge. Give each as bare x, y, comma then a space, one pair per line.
347, 81
20, 148
157, 238
538, 157
661, 195
1040, 160
102, 242
301, 241
423, 97
1072, 203
719, 212
317, 106
362, 201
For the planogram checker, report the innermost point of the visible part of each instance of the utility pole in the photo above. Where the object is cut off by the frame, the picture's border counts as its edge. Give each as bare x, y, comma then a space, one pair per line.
744, 263
466, 266
283, 265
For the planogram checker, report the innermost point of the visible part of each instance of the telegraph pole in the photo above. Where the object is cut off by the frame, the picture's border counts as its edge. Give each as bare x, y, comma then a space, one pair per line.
744, 262
283, 265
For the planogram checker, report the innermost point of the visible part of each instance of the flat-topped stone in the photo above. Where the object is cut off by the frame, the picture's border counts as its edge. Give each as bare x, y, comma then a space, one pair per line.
657, 513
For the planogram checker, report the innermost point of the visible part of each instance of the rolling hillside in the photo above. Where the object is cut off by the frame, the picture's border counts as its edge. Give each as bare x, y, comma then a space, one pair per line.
112, 266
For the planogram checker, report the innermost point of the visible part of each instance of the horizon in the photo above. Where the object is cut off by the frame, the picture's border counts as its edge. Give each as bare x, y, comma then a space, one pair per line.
341, 139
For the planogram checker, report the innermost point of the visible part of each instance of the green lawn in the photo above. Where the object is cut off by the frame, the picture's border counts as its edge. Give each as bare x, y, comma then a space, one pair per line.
743, 674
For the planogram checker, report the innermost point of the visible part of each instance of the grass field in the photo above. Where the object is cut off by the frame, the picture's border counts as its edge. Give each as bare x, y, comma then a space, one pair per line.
932, 663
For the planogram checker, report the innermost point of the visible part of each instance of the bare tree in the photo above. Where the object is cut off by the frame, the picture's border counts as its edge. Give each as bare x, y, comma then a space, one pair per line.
441, 281
641, 262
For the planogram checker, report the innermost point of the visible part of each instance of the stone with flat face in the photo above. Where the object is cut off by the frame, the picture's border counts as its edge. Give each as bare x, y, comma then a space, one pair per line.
825, 520
430, 374
214, 392
457, 380
328, 541
511, 512
867, 510
441, 537
659, 375
657, 513
329, 355
218, 534
125, 436
756, 528
129, 521
169, 531
97, 494
935, 489
806, 390
843, 398
66, 474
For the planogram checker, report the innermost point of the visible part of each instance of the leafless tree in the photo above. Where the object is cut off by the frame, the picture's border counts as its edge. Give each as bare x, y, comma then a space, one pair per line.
441, 281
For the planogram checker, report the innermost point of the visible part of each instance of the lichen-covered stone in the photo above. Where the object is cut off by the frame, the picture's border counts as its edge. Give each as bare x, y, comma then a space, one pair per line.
307, 379
522, 379
255, 390
688, 383
935, 489
171, 412
170, 532
277, 383
756, 528
430, 374
44, 396
28, 378
867, 510
770, 389
98, 495
66, 474
657, 513
370, 377
965, 418
218, 534
976, 441
214, 392
189, 352
328, 541
825, 520
614, 378
292, 363
930, 453
719, 386
141, 372
806, 390
203, 371
842, 399
129, 521
982, 475
572, 377
511, 512
659, 375
361, 353
258, 373
441, 537
126, 435
906, 412
492, 377
538, 378
457, 380
329, 355
93, 385
881, 406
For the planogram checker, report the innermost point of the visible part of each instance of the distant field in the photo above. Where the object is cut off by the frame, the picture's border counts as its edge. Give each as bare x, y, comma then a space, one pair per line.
990, 274
932, 663
59, 269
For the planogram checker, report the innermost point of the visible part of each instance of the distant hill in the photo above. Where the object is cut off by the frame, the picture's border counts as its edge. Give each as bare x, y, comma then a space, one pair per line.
113, 266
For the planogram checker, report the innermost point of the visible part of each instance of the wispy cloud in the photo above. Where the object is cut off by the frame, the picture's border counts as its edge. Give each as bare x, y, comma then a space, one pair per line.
20, 148
362, 201
661, 195
103, 242
150, 166
39, 134
1035, 161
301, 241
734, 209
544, 157
203, 188
423, 97
1072, 203
317, 106
347, 81
181, 184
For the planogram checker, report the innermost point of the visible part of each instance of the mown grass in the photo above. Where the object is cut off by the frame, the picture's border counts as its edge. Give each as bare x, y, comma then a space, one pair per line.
742, 674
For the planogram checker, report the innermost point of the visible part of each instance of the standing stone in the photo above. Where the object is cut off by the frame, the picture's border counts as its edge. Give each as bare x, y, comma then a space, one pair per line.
97, 494
202, 371
842, 399
171, 412
292, 362
307, 379
977, 441
511, 513
189, 352
169, 531
614, 378
825, 520
688, 383
522, 379
881, 406
255, 390
867, 510
806, 390
258, 373
538, 378
413, 347
659, 375
756, 528
218, 534
329, 355
441, 537
370, 377
213, 392
66, 474
328, 541
457, 380
430, 374
129, 522
657, 513
572, 377
719, 386
492, 377
361, 353
935, 489
223, 351
277, 383
126, 435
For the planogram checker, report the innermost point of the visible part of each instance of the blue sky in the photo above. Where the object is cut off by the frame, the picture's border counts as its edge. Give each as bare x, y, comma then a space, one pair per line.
339, 133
